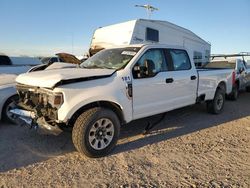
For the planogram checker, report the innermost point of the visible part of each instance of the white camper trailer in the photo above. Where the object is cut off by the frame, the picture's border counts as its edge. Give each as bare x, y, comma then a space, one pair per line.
143, 31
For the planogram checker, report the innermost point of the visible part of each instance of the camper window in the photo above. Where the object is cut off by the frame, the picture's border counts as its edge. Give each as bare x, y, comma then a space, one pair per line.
152, 35
197, 59
180, 60
207, 56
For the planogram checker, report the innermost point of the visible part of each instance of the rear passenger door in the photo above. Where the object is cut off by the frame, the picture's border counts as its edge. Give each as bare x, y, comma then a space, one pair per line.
184, 76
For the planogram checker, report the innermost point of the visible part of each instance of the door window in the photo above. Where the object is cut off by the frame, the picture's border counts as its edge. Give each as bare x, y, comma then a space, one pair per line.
180, 60
241, 66
157, 59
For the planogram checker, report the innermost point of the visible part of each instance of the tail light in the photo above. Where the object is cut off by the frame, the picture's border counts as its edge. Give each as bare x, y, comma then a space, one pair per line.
233, 78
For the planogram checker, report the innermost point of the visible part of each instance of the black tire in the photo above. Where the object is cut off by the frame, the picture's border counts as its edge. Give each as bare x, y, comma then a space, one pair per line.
234, 95
87, 122
216, 105
9, 104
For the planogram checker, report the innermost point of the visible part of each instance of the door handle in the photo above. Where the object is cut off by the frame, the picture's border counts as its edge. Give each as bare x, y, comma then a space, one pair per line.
169, 80
193, 77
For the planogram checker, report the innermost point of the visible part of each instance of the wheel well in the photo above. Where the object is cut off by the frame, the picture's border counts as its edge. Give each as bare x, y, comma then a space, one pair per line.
106, 104
6, 102
222, 85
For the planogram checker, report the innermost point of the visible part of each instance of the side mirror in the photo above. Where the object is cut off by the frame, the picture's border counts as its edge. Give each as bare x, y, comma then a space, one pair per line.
241, 70
145, 70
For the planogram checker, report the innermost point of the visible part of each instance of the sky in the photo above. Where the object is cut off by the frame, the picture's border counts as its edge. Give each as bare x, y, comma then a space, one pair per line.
46, 27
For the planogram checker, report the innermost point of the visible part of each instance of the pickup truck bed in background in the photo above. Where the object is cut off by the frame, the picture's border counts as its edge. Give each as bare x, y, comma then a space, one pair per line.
240, 70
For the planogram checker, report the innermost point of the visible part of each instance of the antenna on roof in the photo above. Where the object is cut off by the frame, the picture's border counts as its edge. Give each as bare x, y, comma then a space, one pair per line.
148, 8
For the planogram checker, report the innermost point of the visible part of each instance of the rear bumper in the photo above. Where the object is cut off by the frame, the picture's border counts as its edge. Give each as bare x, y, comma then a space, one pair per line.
29, 119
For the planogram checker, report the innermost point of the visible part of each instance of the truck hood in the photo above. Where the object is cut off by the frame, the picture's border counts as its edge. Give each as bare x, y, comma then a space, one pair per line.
55, 77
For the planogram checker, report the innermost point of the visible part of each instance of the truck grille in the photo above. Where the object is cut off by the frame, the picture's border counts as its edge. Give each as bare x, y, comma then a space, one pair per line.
36, 100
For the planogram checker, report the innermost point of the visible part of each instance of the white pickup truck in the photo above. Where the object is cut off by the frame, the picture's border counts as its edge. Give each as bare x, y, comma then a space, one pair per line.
114, 87
242, 71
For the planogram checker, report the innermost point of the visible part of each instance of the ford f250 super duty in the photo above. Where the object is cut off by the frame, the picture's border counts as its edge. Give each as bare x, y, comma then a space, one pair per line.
114, 87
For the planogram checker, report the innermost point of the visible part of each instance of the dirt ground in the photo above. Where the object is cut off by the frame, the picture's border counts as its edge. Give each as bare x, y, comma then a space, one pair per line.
189, 148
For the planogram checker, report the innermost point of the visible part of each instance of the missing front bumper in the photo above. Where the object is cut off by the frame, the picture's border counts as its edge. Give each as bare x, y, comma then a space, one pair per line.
28, 119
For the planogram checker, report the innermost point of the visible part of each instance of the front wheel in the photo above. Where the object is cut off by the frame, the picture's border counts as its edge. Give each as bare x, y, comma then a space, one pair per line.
216, 105
96, 131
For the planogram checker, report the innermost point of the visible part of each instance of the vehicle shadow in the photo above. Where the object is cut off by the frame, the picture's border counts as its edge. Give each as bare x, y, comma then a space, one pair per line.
20, 147
179, 122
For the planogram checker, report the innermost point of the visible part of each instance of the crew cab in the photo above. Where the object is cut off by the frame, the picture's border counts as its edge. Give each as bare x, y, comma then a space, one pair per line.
241, 72
114, 87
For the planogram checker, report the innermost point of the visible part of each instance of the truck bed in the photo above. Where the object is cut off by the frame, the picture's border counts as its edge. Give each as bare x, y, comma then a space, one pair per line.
209, 79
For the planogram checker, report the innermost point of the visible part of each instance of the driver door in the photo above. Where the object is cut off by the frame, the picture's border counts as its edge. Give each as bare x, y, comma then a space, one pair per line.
150, 95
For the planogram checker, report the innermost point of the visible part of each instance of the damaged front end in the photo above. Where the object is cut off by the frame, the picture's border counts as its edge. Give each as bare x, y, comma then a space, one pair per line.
37, 108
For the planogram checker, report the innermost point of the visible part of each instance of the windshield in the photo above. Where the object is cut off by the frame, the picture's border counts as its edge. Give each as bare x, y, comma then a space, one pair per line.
116, 58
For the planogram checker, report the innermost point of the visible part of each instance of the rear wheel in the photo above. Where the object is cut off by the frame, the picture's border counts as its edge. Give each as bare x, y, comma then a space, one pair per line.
9, 104
96, 131
216, 105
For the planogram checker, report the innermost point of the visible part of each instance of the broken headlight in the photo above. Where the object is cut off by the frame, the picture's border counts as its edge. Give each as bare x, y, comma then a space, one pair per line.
55, 99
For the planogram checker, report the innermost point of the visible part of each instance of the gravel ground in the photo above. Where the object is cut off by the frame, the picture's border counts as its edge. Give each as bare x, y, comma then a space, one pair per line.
189, 148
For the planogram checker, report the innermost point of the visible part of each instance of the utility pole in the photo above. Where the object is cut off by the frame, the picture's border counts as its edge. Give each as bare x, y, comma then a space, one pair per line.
149, 9
72, 43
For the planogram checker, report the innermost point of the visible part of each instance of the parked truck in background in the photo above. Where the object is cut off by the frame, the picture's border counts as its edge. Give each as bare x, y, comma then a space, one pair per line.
142, 31
10, 67
114, 87
241, 69
16, 65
